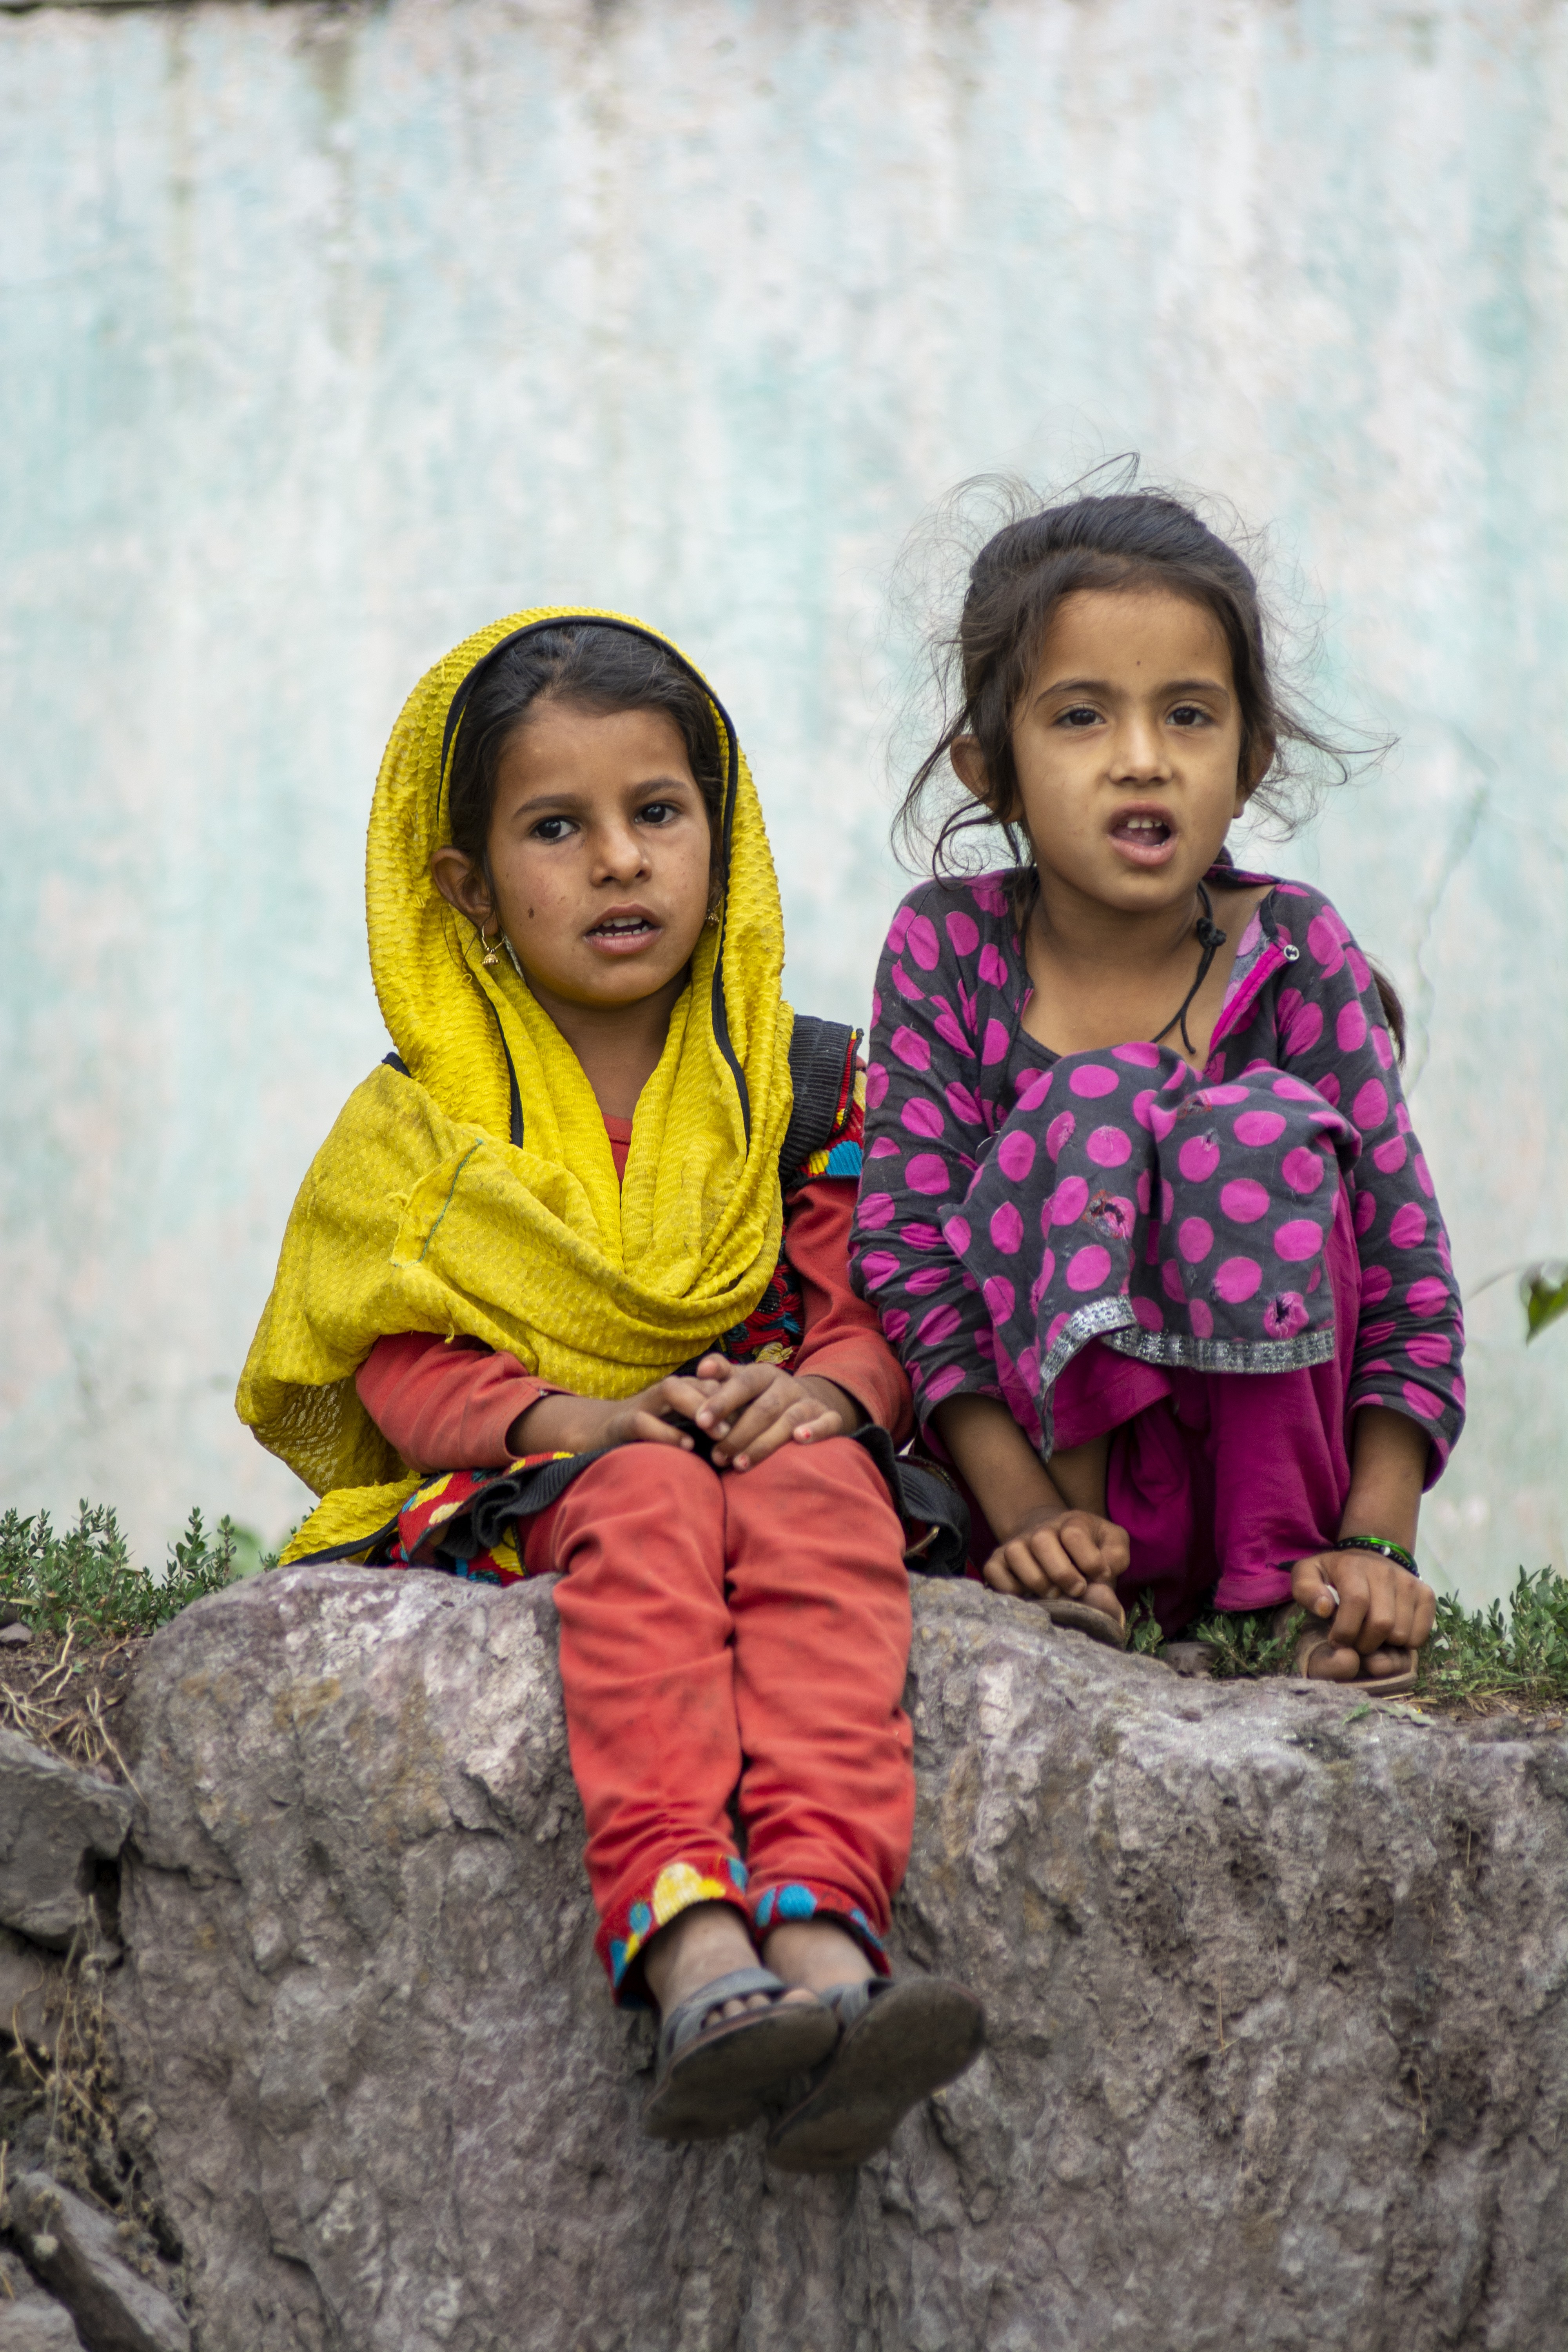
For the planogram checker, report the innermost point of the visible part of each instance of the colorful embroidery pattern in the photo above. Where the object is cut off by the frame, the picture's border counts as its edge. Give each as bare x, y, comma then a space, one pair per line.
719, 1877
436, 1525
841, 1156
778, 1906
772, 1332
716, 1878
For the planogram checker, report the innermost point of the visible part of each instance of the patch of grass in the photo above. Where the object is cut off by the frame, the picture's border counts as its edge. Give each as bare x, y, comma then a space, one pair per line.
84, 1578
1243, 1644
1480, 1657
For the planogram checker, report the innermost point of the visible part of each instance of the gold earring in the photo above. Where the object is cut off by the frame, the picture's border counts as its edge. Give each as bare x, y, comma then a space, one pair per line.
492, 947
711, 922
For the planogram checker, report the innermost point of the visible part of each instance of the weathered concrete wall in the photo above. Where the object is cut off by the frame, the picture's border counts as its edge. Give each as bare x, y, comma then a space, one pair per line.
327, 336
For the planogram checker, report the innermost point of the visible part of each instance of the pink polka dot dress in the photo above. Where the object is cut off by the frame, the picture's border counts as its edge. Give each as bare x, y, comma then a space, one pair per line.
1017, 1205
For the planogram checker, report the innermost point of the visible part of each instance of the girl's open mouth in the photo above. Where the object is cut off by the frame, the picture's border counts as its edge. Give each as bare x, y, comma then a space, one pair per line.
1145, 837
623, 934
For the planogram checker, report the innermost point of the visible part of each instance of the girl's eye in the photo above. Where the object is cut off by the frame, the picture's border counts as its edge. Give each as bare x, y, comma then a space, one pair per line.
553, 828
659, 811
1189, 714
1079, 714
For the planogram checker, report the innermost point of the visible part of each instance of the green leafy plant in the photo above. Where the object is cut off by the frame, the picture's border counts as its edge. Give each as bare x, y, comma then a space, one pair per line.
85, 1575
251, 1553
1482, 1655
1242, 1643
1543, 1290
1143, 1635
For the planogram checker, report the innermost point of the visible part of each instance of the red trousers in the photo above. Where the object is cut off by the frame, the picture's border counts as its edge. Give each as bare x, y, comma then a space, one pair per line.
737, 1635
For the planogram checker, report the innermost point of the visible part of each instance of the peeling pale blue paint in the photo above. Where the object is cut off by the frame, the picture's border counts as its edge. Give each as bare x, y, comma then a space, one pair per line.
324, 337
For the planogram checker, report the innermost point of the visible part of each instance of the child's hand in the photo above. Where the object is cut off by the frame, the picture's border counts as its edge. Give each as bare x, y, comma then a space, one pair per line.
1382, 1609
574, 1425
1051, 1551
751, 1409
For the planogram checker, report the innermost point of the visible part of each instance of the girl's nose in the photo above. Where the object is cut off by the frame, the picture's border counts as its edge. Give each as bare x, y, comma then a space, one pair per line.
1139, 750
622, 853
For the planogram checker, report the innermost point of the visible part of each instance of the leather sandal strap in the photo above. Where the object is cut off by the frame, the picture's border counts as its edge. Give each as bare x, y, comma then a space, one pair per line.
849, 2002
684, 2022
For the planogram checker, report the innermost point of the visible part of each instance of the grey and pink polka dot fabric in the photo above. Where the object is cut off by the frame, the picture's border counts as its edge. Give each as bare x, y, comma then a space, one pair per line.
1018, 1204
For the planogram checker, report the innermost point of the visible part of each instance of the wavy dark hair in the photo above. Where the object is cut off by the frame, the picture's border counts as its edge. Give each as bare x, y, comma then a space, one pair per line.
599, 669
1132, 539
985, 665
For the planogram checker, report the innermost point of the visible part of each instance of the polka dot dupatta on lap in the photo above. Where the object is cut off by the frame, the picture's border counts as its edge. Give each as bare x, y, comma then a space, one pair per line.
1158, 1218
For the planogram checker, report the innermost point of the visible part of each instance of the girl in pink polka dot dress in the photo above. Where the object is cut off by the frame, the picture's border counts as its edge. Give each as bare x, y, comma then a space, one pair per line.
1142, 1211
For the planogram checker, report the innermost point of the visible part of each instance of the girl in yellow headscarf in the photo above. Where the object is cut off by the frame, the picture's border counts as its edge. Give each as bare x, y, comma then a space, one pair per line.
580, 1250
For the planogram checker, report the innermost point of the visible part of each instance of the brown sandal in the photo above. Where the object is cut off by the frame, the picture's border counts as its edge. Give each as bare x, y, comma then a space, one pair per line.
896, 2044
1085, 1619
715, 2077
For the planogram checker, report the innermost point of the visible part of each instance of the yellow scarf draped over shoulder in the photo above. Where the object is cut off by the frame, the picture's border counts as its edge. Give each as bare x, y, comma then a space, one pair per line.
420, 1212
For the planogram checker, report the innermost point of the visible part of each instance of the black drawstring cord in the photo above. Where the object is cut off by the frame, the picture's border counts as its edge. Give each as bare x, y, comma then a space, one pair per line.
1211, 939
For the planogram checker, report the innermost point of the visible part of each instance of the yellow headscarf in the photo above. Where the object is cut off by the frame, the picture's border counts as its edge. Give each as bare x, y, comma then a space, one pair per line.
421, 1212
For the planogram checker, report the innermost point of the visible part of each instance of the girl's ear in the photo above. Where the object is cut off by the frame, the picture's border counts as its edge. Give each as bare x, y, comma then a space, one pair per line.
969, 767
1256, 768
462, 884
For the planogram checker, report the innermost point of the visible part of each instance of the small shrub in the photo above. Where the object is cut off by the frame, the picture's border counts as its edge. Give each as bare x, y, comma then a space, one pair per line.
1474, 1655
1481, 1656
1144, 1638
1243, 1644
84, 1576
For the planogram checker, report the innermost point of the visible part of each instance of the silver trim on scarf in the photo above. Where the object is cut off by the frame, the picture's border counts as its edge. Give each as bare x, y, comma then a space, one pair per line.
1113, 1321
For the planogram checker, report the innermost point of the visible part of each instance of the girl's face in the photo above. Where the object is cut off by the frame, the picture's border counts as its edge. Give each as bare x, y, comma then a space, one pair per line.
599, 851
1128, 748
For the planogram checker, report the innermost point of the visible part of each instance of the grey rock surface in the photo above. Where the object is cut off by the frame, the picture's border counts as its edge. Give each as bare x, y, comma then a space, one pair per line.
54, 1821
16, 2279
30, 2320
31, 1992
38, 2325
75, 2250
35, 2321
1274, 1983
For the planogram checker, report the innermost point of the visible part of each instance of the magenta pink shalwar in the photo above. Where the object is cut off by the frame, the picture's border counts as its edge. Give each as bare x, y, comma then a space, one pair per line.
1220, 1483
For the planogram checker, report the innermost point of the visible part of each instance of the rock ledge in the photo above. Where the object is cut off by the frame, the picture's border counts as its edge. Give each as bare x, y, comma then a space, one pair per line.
1274, 1984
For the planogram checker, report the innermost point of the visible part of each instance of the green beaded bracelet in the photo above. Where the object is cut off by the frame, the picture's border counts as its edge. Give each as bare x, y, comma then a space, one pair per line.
1382, 1544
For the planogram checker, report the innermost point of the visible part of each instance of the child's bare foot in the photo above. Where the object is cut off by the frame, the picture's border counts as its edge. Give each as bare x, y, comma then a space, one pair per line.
1329, 1663
707, 1941
1103, 1598
816, 1955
